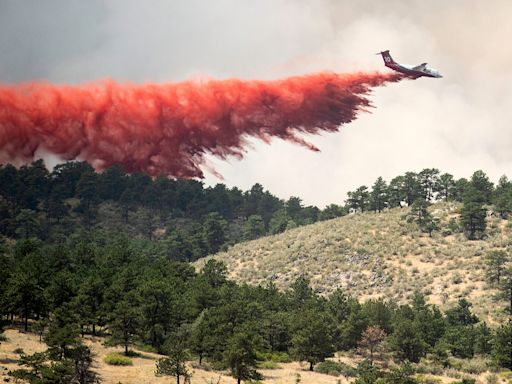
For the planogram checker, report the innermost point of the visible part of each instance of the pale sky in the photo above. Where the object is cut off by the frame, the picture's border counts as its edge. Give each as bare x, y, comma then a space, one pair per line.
460, 123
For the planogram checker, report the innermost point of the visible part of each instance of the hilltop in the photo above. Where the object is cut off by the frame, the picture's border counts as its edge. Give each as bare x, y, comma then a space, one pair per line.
377, 255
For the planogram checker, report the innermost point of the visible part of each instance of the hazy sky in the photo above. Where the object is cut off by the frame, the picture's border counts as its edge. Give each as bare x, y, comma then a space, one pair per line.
459, 123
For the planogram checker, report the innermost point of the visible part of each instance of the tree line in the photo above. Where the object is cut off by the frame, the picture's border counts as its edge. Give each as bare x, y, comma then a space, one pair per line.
119, 288
197, 220
419, 190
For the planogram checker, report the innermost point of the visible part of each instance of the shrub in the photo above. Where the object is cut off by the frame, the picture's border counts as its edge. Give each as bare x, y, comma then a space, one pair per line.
117, 359
268, 365
333, 368
19, 351
466, 380
422, 379
492, 379
276, 357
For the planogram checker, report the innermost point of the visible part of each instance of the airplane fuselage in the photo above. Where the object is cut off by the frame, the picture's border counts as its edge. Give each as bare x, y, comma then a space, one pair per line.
409, 70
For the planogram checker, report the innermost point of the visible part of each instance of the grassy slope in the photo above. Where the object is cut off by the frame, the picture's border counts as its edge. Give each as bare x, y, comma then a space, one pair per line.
376, 255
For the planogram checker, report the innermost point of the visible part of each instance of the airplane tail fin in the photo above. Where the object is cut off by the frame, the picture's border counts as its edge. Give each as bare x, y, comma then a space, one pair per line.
387, 57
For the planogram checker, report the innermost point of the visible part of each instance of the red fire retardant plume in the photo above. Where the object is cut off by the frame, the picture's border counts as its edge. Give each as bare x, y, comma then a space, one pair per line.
166, 129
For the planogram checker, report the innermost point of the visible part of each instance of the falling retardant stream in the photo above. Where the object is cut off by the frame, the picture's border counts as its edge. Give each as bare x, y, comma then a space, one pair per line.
166, 129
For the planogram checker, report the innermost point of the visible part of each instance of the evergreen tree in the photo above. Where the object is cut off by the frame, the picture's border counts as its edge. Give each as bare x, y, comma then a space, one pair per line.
359, 199
444, 187
473, 214
460, 341
24, 295
125, 322
27, 223
63, 332
82, 362
378, 196
461, 314
332, 211
395, 192
481, 187
177, 355
240, 355
254, 227
422, 217
312, 339
278, 222
505, 289
496, 261
428, 179
214, 232
503, 197
406, 342
411, 188
502, 345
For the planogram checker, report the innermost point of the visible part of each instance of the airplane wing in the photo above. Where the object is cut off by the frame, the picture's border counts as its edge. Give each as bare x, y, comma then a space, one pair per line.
420, 67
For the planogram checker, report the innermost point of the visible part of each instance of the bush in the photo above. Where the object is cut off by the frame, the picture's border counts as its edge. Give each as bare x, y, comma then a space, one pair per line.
422, 379
19, 351
117, 359
276, 357
268, 365
333, 368
466, 380
473, 366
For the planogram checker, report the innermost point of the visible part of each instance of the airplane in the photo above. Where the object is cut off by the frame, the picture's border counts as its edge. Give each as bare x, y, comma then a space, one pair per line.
409, 70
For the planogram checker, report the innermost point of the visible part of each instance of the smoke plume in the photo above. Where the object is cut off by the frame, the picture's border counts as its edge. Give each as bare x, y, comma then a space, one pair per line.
166, 129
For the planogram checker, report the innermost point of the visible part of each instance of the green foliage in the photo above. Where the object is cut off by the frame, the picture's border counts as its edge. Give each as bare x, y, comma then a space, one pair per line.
177, 354
333, 368
502, 346
406, 341
461, 314
114, 358
473, 214
358, 200
42, 368
367, 373
496, 261
63, 331
266, 364
254, 227
240, 355
401, 375
312, 339
274, 357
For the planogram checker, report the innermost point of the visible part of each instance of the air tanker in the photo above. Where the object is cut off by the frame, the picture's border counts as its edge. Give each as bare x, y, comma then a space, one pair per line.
409, 70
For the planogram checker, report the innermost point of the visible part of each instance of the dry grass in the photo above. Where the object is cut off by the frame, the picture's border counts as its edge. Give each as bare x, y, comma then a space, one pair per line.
376, 255
143, 368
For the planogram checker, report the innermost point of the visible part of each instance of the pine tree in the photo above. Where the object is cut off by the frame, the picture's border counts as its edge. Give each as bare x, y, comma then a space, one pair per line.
240, 355
312, 340
444, 187
177, 355
496, 261
473, 214
502, 345
378, 196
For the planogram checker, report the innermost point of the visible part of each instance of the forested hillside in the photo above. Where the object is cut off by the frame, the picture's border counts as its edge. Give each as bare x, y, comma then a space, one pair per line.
186, 219
105, 257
